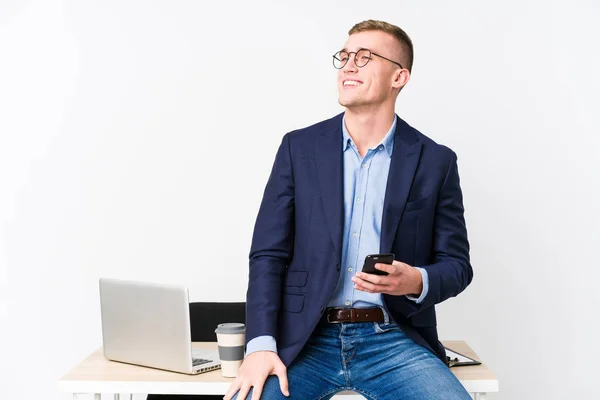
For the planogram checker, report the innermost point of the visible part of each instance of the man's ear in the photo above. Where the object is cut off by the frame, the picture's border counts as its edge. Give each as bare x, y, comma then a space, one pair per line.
401, 78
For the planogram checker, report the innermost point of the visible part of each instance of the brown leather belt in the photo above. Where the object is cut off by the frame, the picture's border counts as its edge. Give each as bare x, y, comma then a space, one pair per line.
339, 315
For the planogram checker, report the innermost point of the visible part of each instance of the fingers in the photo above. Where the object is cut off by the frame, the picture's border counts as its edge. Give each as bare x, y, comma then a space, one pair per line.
367, 286
363, 288
281, 373
254, 372
369, 278
233, 389
244, 392
256, 392
399, 266
390, 269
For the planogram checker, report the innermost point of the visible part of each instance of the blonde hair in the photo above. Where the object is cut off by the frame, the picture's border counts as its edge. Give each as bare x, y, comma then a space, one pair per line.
403, 39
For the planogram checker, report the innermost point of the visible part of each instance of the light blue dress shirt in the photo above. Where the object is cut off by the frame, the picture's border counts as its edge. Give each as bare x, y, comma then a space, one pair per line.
365, 181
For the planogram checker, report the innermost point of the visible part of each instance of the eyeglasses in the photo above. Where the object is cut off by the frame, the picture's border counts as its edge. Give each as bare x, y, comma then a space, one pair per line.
361, 58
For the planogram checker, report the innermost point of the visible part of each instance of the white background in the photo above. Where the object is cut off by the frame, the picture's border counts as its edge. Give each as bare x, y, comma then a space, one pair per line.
136, 139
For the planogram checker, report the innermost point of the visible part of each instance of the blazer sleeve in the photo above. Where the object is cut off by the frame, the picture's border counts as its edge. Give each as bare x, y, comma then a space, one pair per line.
272, 247
451, 271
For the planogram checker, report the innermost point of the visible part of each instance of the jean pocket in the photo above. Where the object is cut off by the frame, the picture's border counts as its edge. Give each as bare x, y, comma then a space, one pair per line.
382, 327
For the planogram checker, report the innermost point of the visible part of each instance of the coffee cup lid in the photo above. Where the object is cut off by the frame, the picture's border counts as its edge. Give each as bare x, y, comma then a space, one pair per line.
232, 327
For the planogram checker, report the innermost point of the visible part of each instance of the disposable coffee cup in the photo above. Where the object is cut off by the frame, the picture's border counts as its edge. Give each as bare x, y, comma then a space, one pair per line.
231, 338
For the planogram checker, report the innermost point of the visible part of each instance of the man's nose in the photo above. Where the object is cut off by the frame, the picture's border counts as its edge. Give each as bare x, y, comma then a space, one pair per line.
350, 66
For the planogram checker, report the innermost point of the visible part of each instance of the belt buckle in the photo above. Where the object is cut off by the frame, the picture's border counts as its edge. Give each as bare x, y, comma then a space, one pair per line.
330, 321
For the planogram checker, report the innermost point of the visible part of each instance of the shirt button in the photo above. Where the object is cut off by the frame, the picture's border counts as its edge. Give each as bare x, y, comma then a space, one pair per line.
380, 147
350, 269
359, 200
354, 234
364, 165
347, 303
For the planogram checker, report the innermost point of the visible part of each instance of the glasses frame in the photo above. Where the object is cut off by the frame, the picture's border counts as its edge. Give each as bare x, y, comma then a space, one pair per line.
356, 61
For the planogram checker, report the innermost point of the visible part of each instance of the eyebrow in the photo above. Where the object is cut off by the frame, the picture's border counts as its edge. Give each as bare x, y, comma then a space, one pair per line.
361, 48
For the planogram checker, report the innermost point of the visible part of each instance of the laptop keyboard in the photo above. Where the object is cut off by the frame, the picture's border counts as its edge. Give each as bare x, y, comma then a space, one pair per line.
199, 361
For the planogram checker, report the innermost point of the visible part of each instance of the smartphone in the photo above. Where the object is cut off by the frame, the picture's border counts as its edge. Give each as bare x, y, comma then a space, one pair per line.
372, 259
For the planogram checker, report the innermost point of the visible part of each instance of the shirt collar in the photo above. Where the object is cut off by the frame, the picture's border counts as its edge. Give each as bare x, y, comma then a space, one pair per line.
387, 142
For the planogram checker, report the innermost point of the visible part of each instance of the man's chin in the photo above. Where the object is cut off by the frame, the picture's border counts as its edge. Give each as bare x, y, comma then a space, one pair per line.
346, 102
350, 104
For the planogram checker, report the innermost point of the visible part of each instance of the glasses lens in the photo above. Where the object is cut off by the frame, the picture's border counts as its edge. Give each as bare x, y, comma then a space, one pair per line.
340, 59
362, 57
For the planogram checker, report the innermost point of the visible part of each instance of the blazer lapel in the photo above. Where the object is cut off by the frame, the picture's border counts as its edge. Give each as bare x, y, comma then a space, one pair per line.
328, 157
405, 158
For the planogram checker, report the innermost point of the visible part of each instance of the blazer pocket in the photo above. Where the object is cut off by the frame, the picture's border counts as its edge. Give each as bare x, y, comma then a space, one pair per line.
418, 204
296, 278
293, 302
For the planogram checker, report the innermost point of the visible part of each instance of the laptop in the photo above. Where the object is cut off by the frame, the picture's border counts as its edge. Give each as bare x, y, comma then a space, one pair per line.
148, 324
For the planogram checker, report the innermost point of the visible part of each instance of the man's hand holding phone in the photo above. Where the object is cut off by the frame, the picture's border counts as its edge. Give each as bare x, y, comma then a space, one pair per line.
382, 274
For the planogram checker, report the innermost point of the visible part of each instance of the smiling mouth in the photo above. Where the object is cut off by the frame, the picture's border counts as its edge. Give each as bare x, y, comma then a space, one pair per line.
352, 83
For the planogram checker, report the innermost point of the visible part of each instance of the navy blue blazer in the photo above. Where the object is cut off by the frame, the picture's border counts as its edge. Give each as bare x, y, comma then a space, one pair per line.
296, 247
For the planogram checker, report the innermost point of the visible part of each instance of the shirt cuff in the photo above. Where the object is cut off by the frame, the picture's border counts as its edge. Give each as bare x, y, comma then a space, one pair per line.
425, 278
261, 343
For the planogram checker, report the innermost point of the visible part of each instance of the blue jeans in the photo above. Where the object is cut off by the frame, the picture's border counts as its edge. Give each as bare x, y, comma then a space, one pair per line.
375, 360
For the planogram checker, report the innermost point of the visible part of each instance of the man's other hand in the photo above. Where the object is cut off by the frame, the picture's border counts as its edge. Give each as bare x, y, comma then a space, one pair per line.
254, 372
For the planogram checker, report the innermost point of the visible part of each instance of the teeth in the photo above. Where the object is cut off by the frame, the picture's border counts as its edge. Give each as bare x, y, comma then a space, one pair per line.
351, 83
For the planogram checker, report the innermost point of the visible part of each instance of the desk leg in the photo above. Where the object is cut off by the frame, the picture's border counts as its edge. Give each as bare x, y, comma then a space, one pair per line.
480, 396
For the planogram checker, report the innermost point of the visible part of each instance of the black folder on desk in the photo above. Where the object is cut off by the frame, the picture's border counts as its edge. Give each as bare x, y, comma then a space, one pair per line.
455, 359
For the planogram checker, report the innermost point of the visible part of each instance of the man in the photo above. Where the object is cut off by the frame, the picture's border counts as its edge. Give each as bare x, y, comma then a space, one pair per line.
362, 182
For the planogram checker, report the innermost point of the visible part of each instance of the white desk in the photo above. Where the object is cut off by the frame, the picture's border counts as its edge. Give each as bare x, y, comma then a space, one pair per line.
97, 375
